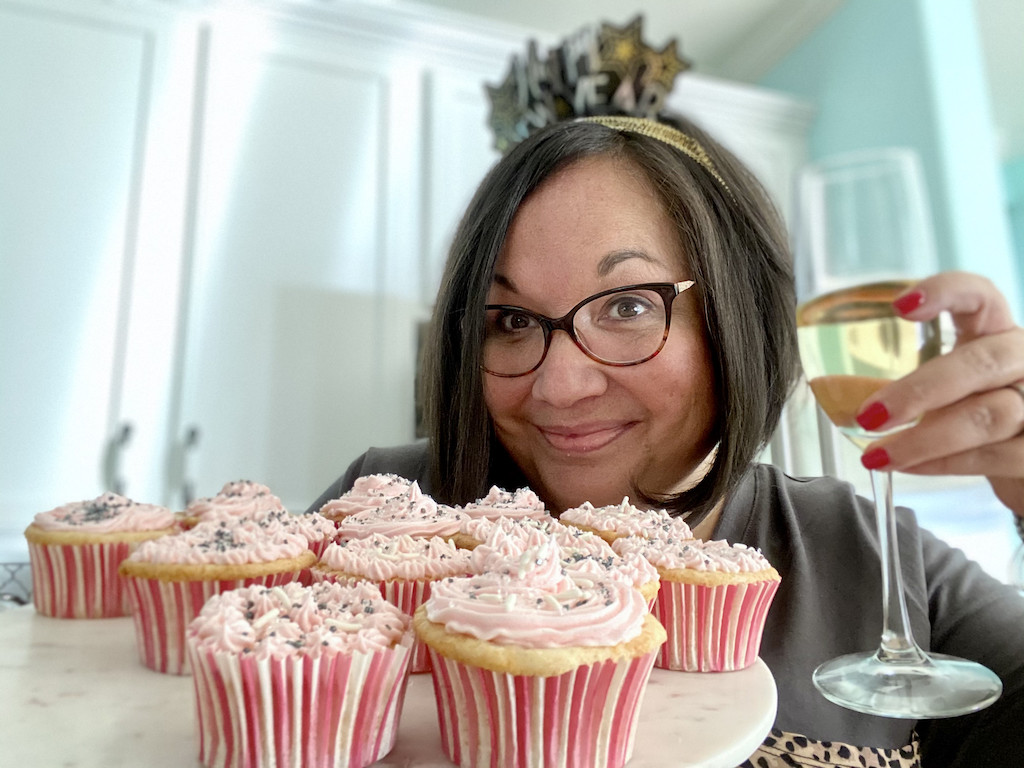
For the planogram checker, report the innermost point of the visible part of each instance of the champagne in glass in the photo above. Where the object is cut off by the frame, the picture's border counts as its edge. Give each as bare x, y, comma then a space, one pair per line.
863, 231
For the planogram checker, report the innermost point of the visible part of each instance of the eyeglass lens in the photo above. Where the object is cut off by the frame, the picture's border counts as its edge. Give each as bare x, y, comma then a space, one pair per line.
620, 328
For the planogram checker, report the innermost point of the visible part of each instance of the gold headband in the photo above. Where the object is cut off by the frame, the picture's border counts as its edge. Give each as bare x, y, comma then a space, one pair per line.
666, 134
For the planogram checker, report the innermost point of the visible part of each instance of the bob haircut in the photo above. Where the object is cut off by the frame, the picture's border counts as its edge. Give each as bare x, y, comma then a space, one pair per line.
735, 247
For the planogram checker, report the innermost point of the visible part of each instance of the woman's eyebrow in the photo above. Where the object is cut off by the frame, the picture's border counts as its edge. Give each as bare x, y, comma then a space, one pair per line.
504, 282
611, 260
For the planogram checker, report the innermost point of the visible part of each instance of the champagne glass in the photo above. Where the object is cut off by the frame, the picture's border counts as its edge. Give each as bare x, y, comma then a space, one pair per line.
864, 237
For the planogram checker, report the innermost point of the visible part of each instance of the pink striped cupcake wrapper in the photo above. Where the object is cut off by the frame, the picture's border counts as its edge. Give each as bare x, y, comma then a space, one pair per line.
340, 710
162, 611
79, 581
712, 628
407, 596
585, 718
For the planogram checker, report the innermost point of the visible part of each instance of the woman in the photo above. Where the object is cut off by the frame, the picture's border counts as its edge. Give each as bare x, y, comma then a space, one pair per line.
614, 220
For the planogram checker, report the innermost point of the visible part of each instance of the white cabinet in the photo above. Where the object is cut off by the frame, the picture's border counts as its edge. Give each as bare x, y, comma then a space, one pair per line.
227, 222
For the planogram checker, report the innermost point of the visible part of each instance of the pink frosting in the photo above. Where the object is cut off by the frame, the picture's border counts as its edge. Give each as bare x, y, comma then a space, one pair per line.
627, 520
412, 513
293, 620
584, 555
533, 602
382, 558
109, 513
223, 543
312, 527
696, 554
236, 499
480, 528
500, 503
367, 492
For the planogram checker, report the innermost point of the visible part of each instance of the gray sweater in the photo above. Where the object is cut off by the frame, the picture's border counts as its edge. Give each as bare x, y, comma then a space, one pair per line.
821, 537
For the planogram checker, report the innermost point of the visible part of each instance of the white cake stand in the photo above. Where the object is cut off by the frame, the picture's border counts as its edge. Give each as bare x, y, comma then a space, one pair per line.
74, 693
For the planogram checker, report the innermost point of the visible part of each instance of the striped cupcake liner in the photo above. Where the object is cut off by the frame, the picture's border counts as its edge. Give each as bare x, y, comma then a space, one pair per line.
712, 628
339, 710
162, 610
407, 596
79, 581
585, 718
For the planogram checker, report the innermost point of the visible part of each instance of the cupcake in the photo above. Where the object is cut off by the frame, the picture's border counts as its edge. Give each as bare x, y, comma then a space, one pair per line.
583, 555
316, 529
624, 519
237, 499
521, 503
533, 668
412, 513
367, 492
75, 550
302, 676
169, 579
401, 567
713, 601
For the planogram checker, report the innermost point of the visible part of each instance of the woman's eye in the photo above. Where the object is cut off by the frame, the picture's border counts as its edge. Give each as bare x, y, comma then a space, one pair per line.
627, 307
512, 322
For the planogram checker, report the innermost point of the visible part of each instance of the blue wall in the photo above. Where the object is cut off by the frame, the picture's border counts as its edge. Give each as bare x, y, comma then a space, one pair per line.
911, 73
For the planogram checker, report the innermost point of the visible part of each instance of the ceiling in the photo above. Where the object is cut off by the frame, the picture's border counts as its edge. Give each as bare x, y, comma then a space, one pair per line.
743, 39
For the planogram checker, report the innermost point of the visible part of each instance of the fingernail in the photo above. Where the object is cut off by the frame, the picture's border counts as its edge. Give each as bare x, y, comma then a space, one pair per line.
909, 302
874, 416
876, 458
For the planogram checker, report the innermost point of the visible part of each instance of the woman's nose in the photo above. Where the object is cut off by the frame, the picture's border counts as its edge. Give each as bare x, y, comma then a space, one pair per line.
567, 375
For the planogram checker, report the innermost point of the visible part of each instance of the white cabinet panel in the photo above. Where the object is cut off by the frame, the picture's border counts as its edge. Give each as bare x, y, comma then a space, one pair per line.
75, 107
287, 368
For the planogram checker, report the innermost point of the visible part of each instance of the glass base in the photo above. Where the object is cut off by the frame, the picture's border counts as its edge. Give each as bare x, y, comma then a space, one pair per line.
942, 686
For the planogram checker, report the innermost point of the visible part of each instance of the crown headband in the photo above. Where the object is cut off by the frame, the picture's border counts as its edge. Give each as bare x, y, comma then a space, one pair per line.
603, 70
666, 134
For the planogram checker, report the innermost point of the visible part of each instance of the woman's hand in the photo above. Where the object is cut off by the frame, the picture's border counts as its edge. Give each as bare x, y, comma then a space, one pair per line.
970, 401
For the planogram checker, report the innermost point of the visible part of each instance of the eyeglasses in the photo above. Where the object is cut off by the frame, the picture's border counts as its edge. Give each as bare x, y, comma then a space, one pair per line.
621, 326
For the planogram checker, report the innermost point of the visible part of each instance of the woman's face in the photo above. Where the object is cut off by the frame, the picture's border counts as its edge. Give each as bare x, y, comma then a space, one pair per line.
579, 429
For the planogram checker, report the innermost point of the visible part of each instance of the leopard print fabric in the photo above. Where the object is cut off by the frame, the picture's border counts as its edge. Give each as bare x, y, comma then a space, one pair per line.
784, 750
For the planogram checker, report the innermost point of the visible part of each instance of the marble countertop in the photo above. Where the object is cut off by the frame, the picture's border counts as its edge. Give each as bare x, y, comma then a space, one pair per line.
74, 694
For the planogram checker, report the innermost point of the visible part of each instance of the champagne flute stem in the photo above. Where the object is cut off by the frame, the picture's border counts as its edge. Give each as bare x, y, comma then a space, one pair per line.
897, 643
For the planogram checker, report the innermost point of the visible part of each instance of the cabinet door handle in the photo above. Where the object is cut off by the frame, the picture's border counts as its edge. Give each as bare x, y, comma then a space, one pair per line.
113, 480
188, 444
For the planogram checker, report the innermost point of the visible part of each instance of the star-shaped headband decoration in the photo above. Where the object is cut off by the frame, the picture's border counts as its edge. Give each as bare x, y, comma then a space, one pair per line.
600, 70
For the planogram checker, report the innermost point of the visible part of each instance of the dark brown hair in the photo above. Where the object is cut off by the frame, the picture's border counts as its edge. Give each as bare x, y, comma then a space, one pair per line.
736, 250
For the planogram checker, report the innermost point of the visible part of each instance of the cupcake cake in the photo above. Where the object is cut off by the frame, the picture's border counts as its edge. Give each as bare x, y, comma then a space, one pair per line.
713, 601
169, 579
401, 567
367, 492
532, 667
624, 519
410, 513
237, 499
75, 551
298, 676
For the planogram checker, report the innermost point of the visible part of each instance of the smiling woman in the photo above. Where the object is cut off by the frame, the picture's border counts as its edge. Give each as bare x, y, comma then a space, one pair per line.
585, 228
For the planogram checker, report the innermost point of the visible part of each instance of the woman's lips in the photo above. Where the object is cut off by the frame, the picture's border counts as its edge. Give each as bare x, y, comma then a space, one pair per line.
584, 438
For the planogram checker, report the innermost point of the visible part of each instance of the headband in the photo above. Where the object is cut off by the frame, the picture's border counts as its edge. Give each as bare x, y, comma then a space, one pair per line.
666, 134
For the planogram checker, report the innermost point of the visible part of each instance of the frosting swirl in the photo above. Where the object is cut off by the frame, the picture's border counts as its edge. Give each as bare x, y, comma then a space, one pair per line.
695, 554
367, 492
109, 513
292, 620
223, 543
501, 503
533, 602
625, 519
412, 512
382, 558
239, 498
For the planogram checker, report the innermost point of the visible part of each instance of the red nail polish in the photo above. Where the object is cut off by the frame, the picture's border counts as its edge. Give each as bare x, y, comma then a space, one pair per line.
876, 458
873, 417
909, 302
